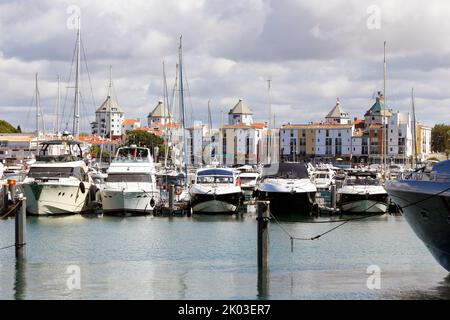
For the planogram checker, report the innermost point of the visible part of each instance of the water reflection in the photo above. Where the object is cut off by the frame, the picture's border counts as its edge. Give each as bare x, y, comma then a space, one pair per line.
263, 283
443, 289
20, 282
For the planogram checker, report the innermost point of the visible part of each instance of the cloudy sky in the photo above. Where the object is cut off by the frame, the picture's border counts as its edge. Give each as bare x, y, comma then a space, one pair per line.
313, 51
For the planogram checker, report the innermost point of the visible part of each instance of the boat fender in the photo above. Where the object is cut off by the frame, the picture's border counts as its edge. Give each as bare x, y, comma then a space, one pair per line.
82, 187
178, 191
152, 203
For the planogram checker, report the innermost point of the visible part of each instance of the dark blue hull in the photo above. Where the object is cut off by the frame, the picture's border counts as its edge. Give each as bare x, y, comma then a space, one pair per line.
429, 217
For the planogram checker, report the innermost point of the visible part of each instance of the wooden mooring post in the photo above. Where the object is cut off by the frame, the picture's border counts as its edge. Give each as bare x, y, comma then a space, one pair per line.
21, 229
333, 196
171, 197
4, 194
263, 235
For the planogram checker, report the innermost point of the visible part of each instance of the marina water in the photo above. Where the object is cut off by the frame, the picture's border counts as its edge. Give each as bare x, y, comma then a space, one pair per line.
214, 257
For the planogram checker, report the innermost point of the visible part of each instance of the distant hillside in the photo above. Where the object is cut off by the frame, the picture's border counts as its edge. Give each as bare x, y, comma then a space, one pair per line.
6, 127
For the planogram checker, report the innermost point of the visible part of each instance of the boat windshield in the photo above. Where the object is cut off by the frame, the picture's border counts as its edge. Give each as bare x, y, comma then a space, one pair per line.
129, 177
132, 155
321, 176
215, 179
362, 182
248, 179
53, 172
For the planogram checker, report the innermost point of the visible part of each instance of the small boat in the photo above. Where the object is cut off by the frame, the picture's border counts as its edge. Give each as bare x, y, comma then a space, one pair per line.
216, 190
289, 190
249, 181
130, 186
362, 192
424, 200
323, 179
59, 184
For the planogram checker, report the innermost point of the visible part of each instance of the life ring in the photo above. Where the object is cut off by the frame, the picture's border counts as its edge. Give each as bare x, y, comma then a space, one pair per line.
178, 191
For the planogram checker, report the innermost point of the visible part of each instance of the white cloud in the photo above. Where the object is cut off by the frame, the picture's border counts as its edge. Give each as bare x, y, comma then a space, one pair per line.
313, 51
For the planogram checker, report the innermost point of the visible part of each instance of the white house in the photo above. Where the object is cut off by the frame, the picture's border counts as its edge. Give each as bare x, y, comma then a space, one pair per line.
159, 116
240, 114
400, 136
108, 118
337, 115
130, 125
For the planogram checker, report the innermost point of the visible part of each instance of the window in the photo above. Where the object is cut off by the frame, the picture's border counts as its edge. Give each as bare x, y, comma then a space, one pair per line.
129, 177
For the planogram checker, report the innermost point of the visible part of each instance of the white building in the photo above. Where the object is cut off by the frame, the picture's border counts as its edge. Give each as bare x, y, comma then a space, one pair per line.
337, 115
334, 140
130, 125
195, 144
108, 118
400, 137
240, 114
159, 116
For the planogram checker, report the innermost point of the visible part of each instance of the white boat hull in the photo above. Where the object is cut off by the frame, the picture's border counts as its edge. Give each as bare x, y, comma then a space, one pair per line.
123, 202
367, 206
56, 199
214, 206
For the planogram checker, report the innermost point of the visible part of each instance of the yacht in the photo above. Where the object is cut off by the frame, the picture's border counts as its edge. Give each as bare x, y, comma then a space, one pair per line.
249, 181
248, 178
215, 190
424, 200
130, 186
323, 178
288, 188
58, 182
362, 192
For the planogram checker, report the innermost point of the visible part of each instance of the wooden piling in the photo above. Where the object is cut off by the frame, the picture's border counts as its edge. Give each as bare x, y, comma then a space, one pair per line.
171, 197
263, 235
5, 197
333, 196
21, 231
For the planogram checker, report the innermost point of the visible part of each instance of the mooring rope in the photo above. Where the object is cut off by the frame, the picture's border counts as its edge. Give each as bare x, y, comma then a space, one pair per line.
8, 247
11, 210
292, 238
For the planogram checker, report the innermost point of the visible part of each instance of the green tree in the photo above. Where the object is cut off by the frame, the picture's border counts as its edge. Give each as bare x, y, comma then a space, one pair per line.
6, 127
19, 129
95, 152
440, 138
146, 139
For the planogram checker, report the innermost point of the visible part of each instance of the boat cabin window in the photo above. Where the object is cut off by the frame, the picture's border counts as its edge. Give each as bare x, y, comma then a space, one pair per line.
129, 177
215, 179
54, 172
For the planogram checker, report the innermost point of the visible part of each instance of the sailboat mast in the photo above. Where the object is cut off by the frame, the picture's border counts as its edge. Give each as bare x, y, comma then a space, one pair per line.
167, 129
384, 140
269, 133
110, 113
76, 118
414, 144
183, 113
37, 104
210, 129
58, 103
